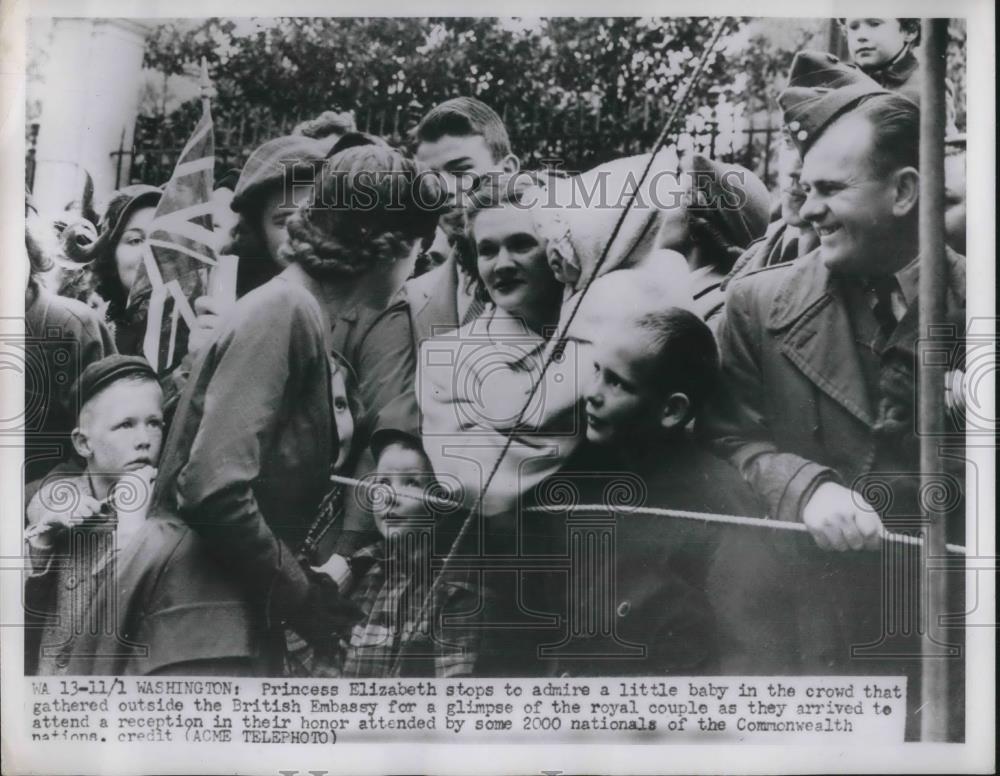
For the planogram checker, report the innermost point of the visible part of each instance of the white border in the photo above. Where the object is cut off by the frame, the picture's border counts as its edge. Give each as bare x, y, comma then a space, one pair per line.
976, 756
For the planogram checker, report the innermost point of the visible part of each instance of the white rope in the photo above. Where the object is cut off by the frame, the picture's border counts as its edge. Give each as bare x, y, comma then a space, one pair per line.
433, 501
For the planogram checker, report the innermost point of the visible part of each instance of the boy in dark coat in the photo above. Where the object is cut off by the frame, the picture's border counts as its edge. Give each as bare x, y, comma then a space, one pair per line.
647, 610
123, 593
78, 520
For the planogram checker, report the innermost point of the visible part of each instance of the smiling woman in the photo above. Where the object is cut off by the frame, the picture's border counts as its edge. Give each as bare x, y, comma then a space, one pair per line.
511, 259
484, 385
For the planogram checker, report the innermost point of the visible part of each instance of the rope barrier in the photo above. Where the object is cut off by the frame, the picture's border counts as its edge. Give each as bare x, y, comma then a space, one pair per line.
434, 501
678, 105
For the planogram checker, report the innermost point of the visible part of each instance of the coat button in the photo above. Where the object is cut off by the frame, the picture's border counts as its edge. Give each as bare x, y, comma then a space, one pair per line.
624, 608
63, 660
802, 135
794, 125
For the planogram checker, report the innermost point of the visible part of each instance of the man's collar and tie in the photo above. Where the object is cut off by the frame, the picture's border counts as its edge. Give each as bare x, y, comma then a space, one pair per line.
890, 296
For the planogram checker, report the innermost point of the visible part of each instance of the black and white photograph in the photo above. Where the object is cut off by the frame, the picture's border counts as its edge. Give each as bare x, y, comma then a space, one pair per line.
395, 381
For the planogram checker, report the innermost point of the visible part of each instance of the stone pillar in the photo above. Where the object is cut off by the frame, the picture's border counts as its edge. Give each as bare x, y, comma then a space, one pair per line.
89, 105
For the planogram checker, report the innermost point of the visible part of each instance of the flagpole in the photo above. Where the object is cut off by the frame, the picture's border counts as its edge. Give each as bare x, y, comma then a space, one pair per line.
933, 280
206, 112
206, 85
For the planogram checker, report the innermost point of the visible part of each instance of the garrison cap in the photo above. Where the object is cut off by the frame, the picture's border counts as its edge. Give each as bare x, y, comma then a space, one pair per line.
820, 69
820, 89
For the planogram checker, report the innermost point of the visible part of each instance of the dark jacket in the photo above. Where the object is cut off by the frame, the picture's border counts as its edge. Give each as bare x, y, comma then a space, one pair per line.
795, 405
652, 616
796, 409
247, 459
905, 75
382, 347
171, 602
770, 250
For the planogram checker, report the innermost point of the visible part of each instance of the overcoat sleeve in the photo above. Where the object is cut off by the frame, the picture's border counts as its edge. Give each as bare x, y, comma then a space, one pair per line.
735, 420
252, 375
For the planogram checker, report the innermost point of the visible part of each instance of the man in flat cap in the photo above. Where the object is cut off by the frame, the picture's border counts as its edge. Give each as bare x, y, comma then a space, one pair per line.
818, 405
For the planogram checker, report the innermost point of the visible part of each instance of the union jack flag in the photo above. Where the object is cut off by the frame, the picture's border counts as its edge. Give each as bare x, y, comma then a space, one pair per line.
179, 252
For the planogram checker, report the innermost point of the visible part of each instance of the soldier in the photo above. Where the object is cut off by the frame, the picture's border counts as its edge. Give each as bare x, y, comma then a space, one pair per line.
818, 404
791, 235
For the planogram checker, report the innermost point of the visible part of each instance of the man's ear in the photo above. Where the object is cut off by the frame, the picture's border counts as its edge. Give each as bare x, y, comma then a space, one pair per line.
675, 411
81, 443
510, 164
907, 191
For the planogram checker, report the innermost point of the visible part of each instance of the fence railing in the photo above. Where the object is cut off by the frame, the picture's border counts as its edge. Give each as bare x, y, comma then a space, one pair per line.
574, 138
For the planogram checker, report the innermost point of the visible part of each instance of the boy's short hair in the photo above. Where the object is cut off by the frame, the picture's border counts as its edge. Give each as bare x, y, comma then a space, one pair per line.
493, 191
684, 355
906, 24
463, 116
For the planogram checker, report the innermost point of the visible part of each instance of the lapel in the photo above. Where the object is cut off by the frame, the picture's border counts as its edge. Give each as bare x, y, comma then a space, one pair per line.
773, 245
433, 299
811, 321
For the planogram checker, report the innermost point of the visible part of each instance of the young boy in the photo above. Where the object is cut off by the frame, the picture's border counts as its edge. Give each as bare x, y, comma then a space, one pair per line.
403, 634
883, 49
464, 139
85, 518
651, 375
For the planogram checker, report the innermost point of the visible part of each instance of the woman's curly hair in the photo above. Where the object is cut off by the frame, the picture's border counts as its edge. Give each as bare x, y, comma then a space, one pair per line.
326, 124
370, 204
493, 191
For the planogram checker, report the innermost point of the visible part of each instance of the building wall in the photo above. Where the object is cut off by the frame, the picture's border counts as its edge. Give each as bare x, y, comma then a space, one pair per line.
89, 103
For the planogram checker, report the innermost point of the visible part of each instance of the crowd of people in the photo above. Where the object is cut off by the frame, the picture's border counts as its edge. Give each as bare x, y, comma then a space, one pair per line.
453, 339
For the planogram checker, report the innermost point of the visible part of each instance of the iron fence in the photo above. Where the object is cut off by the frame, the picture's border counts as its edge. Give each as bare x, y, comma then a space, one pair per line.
573, 138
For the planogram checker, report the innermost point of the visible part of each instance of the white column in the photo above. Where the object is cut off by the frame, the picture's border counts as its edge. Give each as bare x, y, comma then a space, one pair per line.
89, 103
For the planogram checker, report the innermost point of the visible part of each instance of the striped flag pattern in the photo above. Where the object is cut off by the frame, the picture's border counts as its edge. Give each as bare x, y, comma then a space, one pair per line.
179, 252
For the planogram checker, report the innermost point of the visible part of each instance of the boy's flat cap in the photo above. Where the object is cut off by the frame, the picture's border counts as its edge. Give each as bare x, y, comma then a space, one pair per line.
110, 369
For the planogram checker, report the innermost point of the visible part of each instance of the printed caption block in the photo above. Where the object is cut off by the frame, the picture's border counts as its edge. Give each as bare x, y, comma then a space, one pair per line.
764, 710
